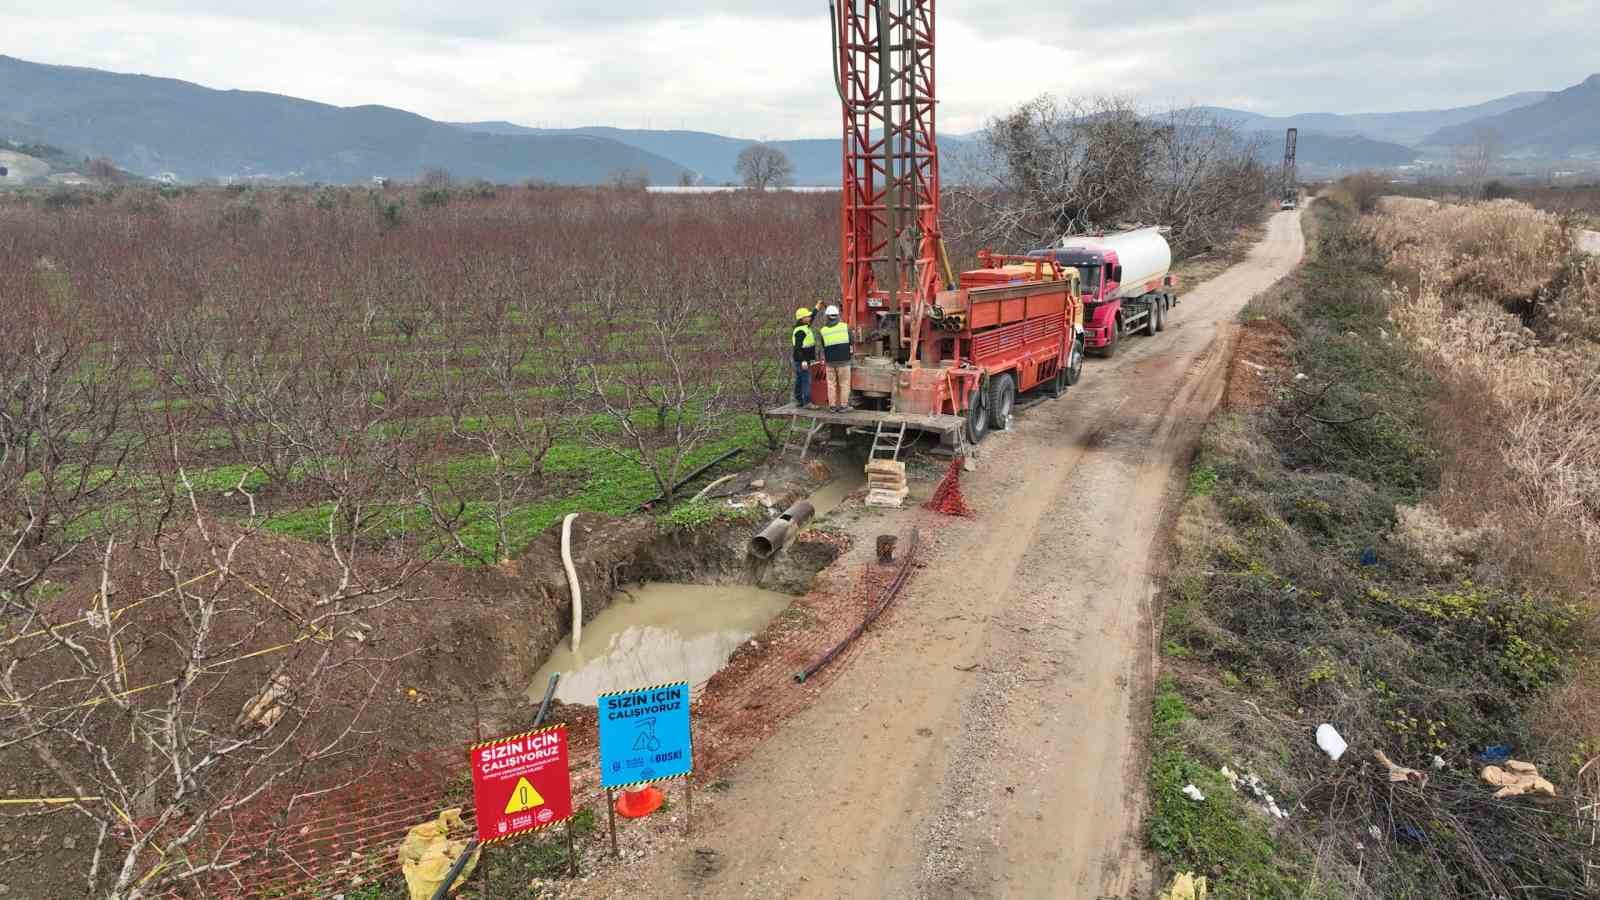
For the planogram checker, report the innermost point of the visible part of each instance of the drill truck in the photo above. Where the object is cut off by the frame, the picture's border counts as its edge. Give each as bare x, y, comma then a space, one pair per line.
1126, 283
932, 351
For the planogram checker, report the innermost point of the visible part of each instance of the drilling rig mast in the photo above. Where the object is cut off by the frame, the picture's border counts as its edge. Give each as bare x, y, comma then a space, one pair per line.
1290, 192
889, 248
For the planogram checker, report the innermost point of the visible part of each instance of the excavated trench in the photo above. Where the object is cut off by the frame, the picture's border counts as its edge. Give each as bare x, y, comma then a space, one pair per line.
657, 606
677, 611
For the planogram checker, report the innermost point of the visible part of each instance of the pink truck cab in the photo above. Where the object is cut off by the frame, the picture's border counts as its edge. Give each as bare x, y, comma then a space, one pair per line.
1125, 281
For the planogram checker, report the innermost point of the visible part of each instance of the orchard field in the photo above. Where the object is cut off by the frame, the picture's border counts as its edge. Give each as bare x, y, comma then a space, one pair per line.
422, 368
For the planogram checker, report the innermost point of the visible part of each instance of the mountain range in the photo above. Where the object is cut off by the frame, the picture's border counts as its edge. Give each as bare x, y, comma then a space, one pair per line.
154, 125
1563, 124
151, 125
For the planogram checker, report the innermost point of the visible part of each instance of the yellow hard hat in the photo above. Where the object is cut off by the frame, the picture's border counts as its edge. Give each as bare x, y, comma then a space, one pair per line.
802, 313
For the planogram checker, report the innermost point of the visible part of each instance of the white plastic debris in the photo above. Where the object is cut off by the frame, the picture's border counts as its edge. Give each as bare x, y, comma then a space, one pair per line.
1331, 743
1376, 834
1193, 793
1251, 783
1438, 761
1301, 376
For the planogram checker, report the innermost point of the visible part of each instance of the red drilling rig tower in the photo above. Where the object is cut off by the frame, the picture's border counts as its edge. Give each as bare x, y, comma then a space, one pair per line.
890, 250
932, 352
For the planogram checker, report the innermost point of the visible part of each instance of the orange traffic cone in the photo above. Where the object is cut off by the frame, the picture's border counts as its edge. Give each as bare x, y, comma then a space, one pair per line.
640, 803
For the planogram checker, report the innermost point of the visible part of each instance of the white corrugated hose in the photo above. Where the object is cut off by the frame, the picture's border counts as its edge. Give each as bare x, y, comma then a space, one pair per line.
572, 580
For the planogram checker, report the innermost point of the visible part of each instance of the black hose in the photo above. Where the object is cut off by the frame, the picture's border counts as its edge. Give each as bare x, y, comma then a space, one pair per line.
692, 476
889, 593
544, 705
833, 41
455, 870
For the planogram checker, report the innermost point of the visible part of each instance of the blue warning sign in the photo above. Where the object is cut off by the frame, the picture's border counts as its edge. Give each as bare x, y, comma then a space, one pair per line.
644, 735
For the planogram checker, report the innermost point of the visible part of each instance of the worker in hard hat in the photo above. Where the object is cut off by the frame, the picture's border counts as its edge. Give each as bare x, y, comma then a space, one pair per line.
835, 337
805, 353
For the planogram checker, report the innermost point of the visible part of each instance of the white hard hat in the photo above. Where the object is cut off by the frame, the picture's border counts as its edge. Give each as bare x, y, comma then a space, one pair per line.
831, 310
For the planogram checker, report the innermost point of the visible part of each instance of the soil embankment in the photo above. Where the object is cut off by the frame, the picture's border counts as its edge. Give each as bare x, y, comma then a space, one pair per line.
986, 740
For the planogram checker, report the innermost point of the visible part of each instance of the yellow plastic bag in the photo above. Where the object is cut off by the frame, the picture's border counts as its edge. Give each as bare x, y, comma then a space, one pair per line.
427, 853
1185, 886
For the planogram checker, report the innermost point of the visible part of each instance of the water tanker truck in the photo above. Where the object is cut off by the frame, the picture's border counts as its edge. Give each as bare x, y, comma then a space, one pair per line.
1125, 280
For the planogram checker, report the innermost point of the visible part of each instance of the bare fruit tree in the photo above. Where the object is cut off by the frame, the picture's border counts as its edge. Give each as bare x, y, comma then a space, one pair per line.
184, 704
763, 166
1052, 168
652, 371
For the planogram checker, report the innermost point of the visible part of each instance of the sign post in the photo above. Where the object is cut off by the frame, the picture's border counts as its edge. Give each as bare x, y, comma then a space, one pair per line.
521, 783
644, 737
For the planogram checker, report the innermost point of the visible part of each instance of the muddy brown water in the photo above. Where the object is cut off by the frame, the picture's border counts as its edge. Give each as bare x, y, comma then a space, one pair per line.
655, 633
827, 498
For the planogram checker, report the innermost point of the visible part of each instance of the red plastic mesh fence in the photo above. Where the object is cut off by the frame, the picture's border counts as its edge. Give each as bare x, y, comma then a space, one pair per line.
947, 497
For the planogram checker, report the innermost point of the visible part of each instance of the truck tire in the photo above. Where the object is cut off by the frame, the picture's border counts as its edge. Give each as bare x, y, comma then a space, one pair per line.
1074, 371
1058, 382
1110, 349
1152, 324
1002, 400
978, 417
1160, 312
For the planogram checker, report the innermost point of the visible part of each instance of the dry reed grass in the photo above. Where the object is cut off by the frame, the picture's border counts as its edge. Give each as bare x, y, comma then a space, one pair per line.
1494, 296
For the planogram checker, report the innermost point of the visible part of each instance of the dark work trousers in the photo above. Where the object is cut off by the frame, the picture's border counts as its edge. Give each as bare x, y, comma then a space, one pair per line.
802, 383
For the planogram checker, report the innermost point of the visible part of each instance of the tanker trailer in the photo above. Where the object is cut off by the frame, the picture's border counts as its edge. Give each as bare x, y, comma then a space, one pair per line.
1126, 283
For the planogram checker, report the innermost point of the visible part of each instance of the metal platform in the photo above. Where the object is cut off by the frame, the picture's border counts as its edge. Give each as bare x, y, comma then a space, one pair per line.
952, 430
871, 417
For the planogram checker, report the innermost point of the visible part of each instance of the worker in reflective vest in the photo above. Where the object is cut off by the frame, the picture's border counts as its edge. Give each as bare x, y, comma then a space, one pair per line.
836, 353
805, 353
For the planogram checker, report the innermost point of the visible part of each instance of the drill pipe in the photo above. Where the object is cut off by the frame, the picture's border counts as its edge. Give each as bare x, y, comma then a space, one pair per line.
781, 532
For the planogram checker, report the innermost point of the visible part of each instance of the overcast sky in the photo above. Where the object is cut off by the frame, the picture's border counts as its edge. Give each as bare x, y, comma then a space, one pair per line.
760, 68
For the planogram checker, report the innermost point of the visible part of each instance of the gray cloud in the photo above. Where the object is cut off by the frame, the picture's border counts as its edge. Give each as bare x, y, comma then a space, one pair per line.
760, 67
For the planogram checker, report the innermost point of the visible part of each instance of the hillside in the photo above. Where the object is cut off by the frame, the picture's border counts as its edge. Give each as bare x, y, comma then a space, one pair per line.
711, 156
1565, 124
153, 125
1318, 153
1395, 127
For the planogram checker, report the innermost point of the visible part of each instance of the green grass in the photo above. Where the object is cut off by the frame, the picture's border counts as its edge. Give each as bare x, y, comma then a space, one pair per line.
512, 865
600, 482
1202, 481
1217, 836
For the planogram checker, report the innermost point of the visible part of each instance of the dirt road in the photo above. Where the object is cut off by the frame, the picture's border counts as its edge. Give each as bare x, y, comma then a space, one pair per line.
985, 740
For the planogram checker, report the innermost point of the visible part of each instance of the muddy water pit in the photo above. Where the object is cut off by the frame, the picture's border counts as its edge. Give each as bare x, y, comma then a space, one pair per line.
657, 633
699, 601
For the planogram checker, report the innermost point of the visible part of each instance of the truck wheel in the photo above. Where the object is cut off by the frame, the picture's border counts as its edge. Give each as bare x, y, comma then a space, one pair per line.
1002, 399
1160, 313
978, 417
1110, 349
1152, 324
1058, 382
1074, 369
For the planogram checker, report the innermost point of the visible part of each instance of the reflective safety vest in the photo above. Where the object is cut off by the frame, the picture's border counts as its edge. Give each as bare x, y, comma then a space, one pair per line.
833, 335
808, 338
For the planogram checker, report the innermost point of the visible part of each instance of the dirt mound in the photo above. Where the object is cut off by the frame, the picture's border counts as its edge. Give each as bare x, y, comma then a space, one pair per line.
1260, 363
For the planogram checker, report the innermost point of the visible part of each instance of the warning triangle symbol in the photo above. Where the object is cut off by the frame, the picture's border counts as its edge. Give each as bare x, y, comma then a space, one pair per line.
523, 796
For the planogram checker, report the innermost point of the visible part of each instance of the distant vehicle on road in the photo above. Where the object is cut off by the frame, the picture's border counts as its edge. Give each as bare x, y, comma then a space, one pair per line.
1288, 203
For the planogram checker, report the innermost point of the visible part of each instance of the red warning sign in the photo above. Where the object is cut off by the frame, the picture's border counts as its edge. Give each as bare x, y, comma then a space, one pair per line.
520, 783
